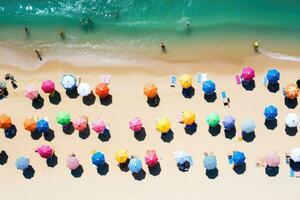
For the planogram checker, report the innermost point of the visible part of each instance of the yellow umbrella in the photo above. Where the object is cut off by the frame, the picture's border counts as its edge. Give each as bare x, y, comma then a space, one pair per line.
121, 156
163, 125
186, 81
188, 117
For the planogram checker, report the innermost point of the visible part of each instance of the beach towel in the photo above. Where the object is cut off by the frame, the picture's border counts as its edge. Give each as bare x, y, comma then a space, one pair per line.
292, 173
230, 159
238, 79
297, 174
203, 77
265, 81
105, 78
173, 80
198, 77
223, 94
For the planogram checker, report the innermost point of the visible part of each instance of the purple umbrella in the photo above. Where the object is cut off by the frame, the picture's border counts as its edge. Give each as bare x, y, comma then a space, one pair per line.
229, 122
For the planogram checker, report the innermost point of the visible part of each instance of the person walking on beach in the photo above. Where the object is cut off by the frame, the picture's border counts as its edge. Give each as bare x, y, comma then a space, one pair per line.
256, 46
38, 54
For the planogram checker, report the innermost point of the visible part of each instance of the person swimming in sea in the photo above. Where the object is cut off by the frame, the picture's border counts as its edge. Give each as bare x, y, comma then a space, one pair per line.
163, 47
62, 35
256, 46
38, 54
26, 31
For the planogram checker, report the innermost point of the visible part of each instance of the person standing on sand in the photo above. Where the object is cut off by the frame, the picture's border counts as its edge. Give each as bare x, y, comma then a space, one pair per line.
38, 54
256, 46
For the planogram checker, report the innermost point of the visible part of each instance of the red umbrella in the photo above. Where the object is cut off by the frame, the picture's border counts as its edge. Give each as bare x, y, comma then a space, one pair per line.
48, 86
151, 158
102, 90
45, 151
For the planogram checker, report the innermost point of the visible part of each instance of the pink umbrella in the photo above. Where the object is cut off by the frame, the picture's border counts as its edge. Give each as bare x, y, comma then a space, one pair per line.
80, 123
31, 92
248, 73
48, 86
98, 125
151, 158
45, 151
272, 160
135, 124
72, 163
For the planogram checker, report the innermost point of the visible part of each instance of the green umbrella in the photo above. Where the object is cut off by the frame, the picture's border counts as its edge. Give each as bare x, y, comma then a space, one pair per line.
213, 119
63, 118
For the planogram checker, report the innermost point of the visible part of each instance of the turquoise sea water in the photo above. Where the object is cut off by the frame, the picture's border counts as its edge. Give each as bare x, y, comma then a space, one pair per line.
122, 26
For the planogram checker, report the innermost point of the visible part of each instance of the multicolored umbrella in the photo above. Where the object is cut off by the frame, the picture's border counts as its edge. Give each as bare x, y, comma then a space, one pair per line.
31, 92
5, 121
45, 151
30, 124
22, 163
238, 158
181, 157
80, 123
135, 165
84, 89
210, 162
42, 126
248, 74
150, 90
292, 91
72, 162
272, 159
68, 82
248, 126
121, 156
48, 86
163, 125
98, 125
98, 159
273, 76
186, 81
63, 118
188, 117
270, 112
208, 87
229, 123
213, 119
151, 158
102, 90
292, 120
295, 154
135, 124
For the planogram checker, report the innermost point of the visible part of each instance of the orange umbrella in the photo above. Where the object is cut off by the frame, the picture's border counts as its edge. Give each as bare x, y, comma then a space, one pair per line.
29, 124
292, 91
150, 90
5, 121
102, 90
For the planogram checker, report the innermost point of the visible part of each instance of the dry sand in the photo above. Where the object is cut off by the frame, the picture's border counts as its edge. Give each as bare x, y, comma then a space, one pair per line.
129, 101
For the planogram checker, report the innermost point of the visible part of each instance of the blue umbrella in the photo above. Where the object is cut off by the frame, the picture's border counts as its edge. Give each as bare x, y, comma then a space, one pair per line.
42, 126
22, 163
273, 76
270, 112
210, 162
229, 123
238, 158
98, 159
135, 165
208, 87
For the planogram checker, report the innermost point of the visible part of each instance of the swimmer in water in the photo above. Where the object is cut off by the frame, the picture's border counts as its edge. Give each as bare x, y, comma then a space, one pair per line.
188, 24
26, 31
163, 47
256, 46
62, 35
38, 54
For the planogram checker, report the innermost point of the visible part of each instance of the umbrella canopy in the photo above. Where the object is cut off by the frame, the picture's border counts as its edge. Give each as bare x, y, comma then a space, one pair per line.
292, 120
98, 159
181, 157
80, 123
42, 125
31, 92
295, 154
272, 159
121, 156
48, 86
151, 158
208, 87
273, 76
5, 121
68, 82
163, 125
30, 124
45, 151
213, 119
102, 90
210, 162
270, 112
248, 73
229, 123
63, 118
135, 124
248, 126
2, 85
238, 158
292, 91
135, 165
98, 125
150, 90
72, 163
84, 89
22, 163
186, 81
188, 117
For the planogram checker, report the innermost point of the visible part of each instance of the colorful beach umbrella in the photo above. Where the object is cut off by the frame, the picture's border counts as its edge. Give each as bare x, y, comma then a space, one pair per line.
5, 121
48, 86
135, 165
84, 89
208, 87
273, 76
45, 151
121, 156
238, 158
151, 158
188, 117
272, 159
181, 157
80, 123
22, 163
31, 92
30, 124
42, 126
213, 119
270, 112
98, 125
150, 90
98, 159
68, 82
295, 154
248, 126
210, 162
102, 90
163, 125
292, 91
72, 162
248, 74
186, 81
292, 120
63, 118
135, 124
229, 123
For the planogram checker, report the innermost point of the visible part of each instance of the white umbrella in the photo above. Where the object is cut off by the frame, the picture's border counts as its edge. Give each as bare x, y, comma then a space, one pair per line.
292, 120
248, 126
181, 157
68, 82
295, 155
84, 89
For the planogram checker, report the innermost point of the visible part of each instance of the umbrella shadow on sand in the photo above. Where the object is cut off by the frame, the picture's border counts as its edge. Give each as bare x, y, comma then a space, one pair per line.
212, 174
106, 101
139, 176
272, 171
3, 157
55, 98
38, 102
105, 136
69, 129
273, 87
103, 169
248, 137
167, 137
295, 166
230, 134
85, 133
248, 85
29, 172
72, 94
191, 129
11, 132
210, 98
291, 103
271, 124
155, 170
52, 161
188, 92
239, 169
49, 135
153, 102
77, 173
140, 135
124, 166
291, 131
89, 99
214, 131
